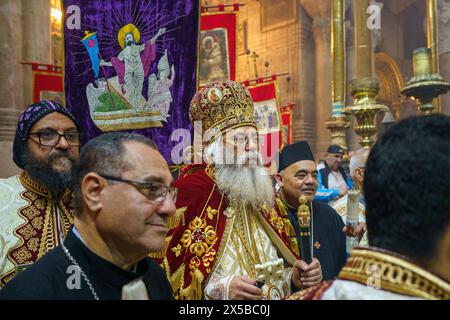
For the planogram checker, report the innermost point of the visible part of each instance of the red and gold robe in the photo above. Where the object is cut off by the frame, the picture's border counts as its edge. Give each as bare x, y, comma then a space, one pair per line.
201, 228
31, 223
375, 274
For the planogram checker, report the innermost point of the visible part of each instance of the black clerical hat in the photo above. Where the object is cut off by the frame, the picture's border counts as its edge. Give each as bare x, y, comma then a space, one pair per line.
294, 152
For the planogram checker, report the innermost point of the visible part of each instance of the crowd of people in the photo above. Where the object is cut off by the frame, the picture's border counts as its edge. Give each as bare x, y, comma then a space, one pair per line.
107, 220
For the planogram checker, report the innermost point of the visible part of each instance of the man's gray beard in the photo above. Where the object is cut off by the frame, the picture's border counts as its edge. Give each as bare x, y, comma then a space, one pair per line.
245, 184
41, 171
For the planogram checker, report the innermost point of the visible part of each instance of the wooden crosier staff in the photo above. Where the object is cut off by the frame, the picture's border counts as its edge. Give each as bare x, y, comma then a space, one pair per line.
304, 219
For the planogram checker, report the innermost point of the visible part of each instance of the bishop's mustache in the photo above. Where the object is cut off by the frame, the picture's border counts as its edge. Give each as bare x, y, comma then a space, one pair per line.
60, 154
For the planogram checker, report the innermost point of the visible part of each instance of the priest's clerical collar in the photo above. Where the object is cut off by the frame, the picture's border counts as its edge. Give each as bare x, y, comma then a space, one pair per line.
293, 153
77, 234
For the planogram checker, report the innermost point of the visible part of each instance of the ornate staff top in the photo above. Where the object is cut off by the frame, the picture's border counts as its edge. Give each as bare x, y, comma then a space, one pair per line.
303, 213
304, 219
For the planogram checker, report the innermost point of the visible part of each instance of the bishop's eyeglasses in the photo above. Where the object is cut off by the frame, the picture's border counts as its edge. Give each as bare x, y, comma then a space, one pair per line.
155, 192
50, 138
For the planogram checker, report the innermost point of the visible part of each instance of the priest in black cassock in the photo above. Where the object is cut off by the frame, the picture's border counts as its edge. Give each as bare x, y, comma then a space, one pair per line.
297, 175
123, 200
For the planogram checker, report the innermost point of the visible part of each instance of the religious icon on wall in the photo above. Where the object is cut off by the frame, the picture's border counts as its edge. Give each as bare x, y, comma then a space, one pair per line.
130, 65
214, 58
267, 117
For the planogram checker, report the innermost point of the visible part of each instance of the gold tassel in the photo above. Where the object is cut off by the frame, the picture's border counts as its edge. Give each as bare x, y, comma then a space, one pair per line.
194, 291
175, 220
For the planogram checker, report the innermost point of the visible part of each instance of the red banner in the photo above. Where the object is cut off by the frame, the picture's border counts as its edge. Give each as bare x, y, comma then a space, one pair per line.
286, 120
268, 118
47, 83
217, 55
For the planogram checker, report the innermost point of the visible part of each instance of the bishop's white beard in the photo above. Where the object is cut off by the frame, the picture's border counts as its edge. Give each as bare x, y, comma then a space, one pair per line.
244, 184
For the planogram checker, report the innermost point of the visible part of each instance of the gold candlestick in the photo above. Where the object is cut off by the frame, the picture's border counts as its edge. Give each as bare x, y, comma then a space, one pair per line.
425, 85
364, 88
365, 108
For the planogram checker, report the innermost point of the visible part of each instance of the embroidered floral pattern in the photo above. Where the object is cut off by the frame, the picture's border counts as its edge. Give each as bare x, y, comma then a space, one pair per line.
208, 258
176, 250
211, 212
276, 221
194, 264
198, 237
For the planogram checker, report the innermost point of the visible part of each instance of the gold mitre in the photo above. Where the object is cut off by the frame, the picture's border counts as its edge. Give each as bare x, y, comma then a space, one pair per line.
221, 106
129, 28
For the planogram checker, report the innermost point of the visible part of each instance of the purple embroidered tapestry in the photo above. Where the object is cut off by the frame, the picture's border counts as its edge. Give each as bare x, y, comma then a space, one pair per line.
131, 65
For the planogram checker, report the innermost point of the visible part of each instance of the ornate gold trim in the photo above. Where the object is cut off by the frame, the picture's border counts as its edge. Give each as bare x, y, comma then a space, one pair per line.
394, 273
33, 186
223, 242
211, 172
277, 241
39, 232
312, 293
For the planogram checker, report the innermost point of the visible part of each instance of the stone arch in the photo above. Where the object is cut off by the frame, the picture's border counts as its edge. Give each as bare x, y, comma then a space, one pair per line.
391, 82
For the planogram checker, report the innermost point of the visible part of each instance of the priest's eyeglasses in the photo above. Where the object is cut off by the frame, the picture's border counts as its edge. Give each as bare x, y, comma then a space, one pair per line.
155, 192
50, 138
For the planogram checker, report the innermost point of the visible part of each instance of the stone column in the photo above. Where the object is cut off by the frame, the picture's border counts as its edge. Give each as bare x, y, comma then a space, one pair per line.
443, 21
11, 54
25, 36
37, 46
304, 113
319, 11
11, 84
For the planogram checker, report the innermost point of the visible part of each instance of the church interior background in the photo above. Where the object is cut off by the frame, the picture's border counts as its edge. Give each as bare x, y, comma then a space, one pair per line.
291, 38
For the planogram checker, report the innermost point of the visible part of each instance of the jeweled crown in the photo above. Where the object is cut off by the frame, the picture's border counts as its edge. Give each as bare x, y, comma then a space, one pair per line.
221, 106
